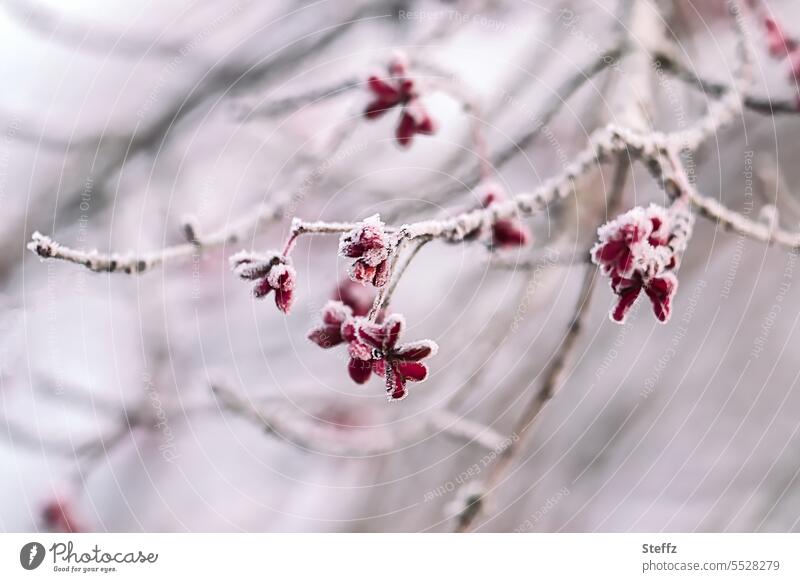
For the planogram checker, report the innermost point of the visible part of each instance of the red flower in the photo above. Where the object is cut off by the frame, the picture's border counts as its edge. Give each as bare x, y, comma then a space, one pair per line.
329, 334
57, 517
660, 290
357, 297
778, 42
414, 119
373, 348
271, 271
368, 244
639, 251
398, 89
506, 232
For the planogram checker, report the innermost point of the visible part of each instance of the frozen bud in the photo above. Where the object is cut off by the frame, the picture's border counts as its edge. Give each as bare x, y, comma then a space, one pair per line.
271, 271
506, 232
369, 246
334, 316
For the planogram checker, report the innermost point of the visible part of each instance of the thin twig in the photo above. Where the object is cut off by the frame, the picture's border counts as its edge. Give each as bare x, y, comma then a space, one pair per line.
384, 298
130, 263
715, 88
553, 376
316, 438
246, 111
553, 104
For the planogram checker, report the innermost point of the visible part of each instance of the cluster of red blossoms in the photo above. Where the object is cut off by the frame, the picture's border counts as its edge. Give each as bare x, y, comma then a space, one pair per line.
369, 246
271, 271
639, 251
398, 89
373, 347
506, 232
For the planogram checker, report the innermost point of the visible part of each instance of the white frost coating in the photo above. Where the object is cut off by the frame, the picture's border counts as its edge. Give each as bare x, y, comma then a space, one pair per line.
425, 343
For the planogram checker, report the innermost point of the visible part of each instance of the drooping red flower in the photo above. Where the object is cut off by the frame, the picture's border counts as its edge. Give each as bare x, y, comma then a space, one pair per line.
398, 89
368, 244
271, 271
778, 42
329, 334
639, 251
373, 348
659, 289
506, 232
414, 119
357, 297
58, 517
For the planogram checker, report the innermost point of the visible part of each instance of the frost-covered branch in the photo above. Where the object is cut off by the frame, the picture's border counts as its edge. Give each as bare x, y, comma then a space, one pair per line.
132, 263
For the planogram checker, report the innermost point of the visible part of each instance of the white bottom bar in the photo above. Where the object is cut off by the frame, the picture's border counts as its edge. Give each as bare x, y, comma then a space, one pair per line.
401, 557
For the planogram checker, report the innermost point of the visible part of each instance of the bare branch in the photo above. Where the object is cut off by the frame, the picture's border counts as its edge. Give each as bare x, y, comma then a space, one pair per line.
245, 110
130, 263
716, 89
360, 442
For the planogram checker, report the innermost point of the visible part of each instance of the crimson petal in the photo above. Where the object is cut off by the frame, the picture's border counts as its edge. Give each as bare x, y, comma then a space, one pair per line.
383, 90
262, 288
372, 334
393, 328
660, 291
395, 383
413, 371
326, 336
510, 233
414, 352
381, 274
284, 299
405, 130
627, 297
360, 370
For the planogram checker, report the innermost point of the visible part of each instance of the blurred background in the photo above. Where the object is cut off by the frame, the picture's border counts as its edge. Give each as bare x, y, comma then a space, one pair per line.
120, 120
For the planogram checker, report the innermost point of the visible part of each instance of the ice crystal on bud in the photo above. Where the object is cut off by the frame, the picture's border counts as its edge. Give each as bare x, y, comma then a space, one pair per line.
639, 251
271, 271
373, 348
398, 89
368, 244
